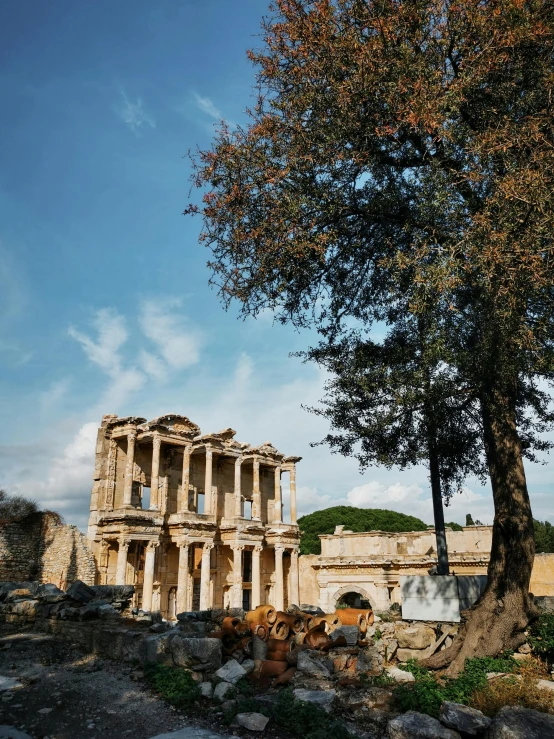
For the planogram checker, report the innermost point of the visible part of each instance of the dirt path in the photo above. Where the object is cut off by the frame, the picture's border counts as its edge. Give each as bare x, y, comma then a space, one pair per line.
66, 694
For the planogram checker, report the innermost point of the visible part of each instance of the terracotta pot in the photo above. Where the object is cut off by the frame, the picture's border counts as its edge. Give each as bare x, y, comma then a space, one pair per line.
278, 645
280, 630
338, 642
272, 668
300, 638
285, 678
277, 656
246, 645
243, 629
230, 623
360, 617
308, 621
261, 631
294, 621
317, 637
333, 620
229, 641
261, 615
215, 635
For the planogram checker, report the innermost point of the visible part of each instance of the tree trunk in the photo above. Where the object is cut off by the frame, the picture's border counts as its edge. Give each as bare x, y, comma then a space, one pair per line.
438, 512
497, 621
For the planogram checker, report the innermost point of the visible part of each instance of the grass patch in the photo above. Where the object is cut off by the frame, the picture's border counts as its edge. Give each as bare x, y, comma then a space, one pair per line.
306, 720
541, 636
427, 693
516, 692
174, 685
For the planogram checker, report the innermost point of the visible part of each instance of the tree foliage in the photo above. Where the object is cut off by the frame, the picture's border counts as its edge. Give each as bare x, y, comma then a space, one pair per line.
398, 167
544, 536
353, 519
15, 507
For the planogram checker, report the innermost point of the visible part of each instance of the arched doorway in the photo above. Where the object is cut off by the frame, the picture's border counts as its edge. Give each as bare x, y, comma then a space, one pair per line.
352, 596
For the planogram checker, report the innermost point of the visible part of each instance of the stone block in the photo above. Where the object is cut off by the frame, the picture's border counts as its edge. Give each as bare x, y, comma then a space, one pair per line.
463, 719
415, 637
80, 592
252, 721
28, 609
231, 672
323, 698
206, 690
310, 665
403, 655
222, 690
400, 676
413, 725
189, 651
513, 722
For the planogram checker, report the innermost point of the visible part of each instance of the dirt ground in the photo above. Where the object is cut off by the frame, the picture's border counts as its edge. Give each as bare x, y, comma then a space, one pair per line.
66, 694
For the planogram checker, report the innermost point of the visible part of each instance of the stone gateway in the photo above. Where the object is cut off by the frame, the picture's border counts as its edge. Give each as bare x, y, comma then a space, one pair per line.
193, 521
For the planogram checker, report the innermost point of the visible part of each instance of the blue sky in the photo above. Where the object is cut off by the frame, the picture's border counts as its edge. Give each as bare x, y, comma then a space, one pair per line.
104, 299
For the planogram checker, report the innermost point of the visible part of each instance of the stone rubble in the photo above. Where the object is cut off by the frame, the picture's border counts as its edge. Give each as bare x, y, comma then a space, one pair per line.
464, 719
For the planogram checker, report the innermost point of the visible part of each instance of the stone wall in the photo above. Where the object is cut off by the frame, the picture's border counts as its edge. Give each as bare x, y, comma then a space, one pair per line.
41, 547
542, 577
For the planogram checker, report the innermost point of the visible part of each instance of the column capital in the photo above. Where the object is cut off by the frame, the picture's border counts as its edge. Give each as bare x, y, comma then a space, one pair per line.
156, 439
152, 544
132, 434
258, 549
280, 548
208, 545
209, 450
238, 461
124, 542
295, 551
237, 547
183, 543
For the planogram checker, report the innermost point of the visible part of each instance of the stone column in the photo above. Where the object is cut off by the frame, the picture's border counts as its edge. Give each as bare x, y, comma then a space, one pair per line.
182, 578
129, 469
279, 597
256, 502
110, 475
293, 494
256, 577
294, 595
278, 516
205, 576
155, 476
236, 597
238, 499
148, 582
183, 504
208, 503
103, 561
121, 570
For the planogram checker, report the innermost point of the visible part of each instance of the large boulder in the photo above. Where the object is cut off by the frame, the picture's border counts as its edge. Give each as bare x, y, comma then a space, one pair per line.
514, 722
252, 721
415, 637
413, 725
322, 698
7, 587
464, 719
189, 651
26, 608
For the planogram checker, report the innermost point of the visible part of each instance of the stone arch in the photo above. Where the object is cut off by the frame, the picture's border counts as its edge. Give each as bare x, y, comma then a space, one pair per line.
352, 588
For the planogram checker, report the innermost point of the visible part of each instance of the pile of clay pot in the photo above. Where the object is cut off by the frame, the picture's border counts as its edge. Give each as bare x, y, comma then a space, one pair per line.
274, 639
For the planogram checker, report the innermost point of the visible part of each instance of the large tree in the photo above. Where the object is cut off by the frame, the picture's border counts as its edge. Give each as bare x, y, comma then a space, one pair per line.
407, 149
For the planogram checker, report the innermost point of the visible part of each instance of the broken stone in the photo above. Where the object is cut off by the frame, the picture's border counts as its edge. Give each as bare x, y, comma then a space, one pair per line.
513, 722
231, 672
463, 718
400, 676
413, 725
189, 732
189, 651
45, 711
403, 655
310, 666
222, 689
524, 649
248, 665
323, 698
350, 633
206, 690
415, 637
9, 683
10, 732
252, 721
80, 592
545, 685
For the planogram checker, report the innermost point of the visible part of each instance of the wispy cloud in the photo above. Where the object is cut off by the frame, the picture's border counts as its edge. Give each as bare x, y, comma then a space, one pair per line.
207, 106
177, 343
133, 114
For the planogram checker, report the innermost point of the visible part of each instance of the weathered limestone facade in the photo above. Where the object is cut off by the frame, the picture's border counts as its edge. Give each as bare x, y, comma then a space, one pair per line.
371, 564
211, 533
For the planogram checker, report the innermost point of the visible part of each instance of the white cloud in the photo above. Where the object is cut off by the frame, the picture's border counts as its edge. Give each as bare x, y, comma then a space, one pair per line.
133, 114
178, 344
207, 106
112, 334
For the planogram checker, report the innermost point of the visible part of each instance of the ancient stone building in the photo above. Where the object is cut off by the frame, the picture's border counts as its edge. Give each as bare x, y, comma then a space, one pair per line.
193, 521
366, 567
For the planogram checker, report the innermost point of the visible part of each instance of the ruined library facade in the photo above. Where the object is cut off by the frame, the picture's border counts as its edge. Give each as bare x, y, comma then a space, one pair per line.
192, 520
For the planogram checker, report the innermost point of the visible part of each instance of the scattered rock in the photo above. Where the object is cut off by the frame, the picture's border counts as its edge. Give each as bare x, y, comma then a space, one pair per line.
400, 676
311, 666
206, 690
80, 592
323, 698
223, 689
190, 732
248, 665
403, 655
10, 732
231, 672
463, 718
9, 683
513, 722
524, 649
252, 721
545, 685
413, 725
522, 657
45, 711
415, 637
188, 651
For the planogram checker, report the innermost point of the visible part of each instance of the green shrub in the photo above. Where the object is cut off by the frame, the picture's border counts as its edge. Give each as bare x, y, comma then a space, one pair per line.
541, 636
427, 694
306, 720
355, 519
175, 685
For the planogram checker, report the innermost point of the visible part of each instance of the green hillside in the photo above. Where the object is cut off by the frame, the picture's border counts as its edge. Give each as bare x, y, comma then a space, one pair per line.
354, 519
